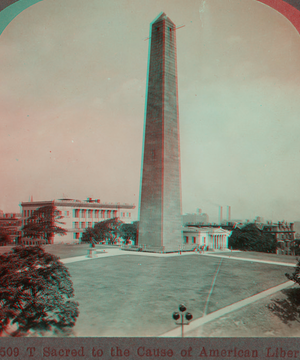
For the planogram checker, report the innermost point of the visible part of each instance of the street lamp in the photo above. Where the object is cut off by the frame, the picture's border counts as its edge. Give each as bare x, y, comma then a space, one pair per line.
188, 317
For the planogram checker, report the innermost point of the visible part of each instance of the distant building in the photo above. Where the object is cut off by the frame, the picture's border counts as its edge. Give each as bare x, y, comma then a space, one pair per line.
210, 237
79, 215
11, 224
195, 219
284, 234
259, 219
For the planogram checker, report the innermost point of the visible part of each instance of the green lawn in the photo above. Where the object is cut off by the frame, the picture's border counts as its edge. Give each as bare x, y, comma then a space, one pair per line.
136, 295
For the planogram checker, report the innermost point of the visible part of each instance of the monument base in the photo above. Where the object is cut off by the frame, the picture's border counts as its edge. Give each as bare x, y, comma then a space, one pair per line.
160, 249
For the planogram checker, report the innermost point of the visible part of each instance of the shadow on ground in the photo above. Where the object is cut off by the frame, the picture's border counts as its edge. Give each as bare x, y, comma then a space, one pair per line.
288, 309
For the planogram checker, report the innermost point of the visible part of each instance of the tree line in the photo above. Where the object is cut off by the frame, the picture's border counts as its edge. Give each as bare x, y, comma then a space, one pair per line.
250, 238
109, 231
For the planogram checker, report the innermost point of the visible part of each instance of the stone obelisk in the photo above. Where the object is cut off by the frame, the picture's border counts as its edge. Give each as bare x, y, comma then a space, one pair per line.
160, 227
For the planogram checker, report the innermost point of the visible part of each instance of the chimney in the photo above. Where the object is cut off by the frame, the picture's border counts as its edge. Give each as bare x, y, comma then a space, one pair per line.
199, 211
31, 198
221, 210
229, 212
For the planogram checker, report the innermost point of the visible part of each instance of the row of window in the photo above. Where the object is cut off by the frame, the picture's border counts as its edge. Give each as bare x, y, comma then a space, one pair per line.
83, 213
27, 213
186, 240
30, 242
77, 213
83, 224
193, 240
14, 223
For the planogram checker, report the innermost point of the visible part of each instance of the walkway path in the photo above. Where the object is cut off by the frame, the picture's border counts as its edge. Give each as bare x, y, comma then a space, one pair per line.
118, 252
100, 254
251, 260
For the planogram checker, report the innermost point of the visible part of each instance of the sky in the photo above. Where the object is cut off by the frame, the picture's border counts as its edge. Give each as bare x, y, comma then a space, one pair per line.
72, 104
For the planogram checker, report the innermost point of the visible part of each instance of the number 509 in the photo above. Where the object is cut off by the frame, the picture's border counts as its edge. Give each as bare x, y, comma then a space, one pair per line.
9, 352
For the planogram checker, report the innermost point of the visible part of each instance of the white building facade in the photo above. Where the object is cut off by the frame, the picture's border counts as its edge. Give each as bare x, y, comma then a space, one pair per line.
77, 215
210, 237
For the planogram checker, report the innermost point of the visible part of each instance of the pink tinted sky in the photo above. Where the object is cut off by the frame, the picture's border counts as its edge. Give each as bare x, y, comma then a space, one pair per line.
72, 93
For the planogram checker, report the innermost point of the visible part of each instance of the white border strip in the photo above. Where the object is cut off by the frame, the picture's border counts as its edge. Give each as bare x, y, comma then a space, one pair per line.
252, 260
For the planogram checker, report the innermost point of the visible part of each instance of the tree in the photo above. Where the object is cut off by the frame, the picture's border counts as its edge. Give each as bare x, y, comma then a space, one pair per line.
252, 239
34, 288
4, 235
107, 230
43, 224
295, 246
295, 275
129, 231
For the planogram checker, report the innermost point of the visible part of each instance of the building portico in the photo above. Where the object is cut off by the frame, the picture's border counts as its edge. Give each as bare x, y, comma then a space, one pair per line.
211, 238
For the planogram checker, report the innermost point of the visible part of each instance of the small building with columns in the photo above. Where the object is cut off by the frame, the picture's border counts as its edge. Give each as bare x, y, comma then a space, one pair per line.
210, 237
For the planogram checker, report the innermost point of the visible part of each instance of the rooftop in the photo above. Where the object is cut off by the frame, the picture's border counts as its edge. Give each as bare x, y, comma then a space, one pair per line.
79, 203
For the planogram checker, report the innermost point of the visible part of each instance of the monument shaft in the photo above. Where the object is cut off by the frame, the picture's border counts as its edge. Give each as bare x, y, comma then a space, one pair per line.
160, 207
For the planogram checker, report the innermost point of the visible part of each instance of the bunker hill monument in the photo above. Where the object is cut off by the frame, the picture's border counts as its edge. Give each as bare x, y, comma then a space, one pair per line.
160, 226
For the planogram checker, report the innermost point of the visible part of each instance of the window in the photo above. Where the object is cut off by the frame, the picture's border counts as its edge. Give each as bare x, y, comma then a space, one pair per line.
89, 224
194, 240
83, 225
186, 239
66, 213
90, 213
